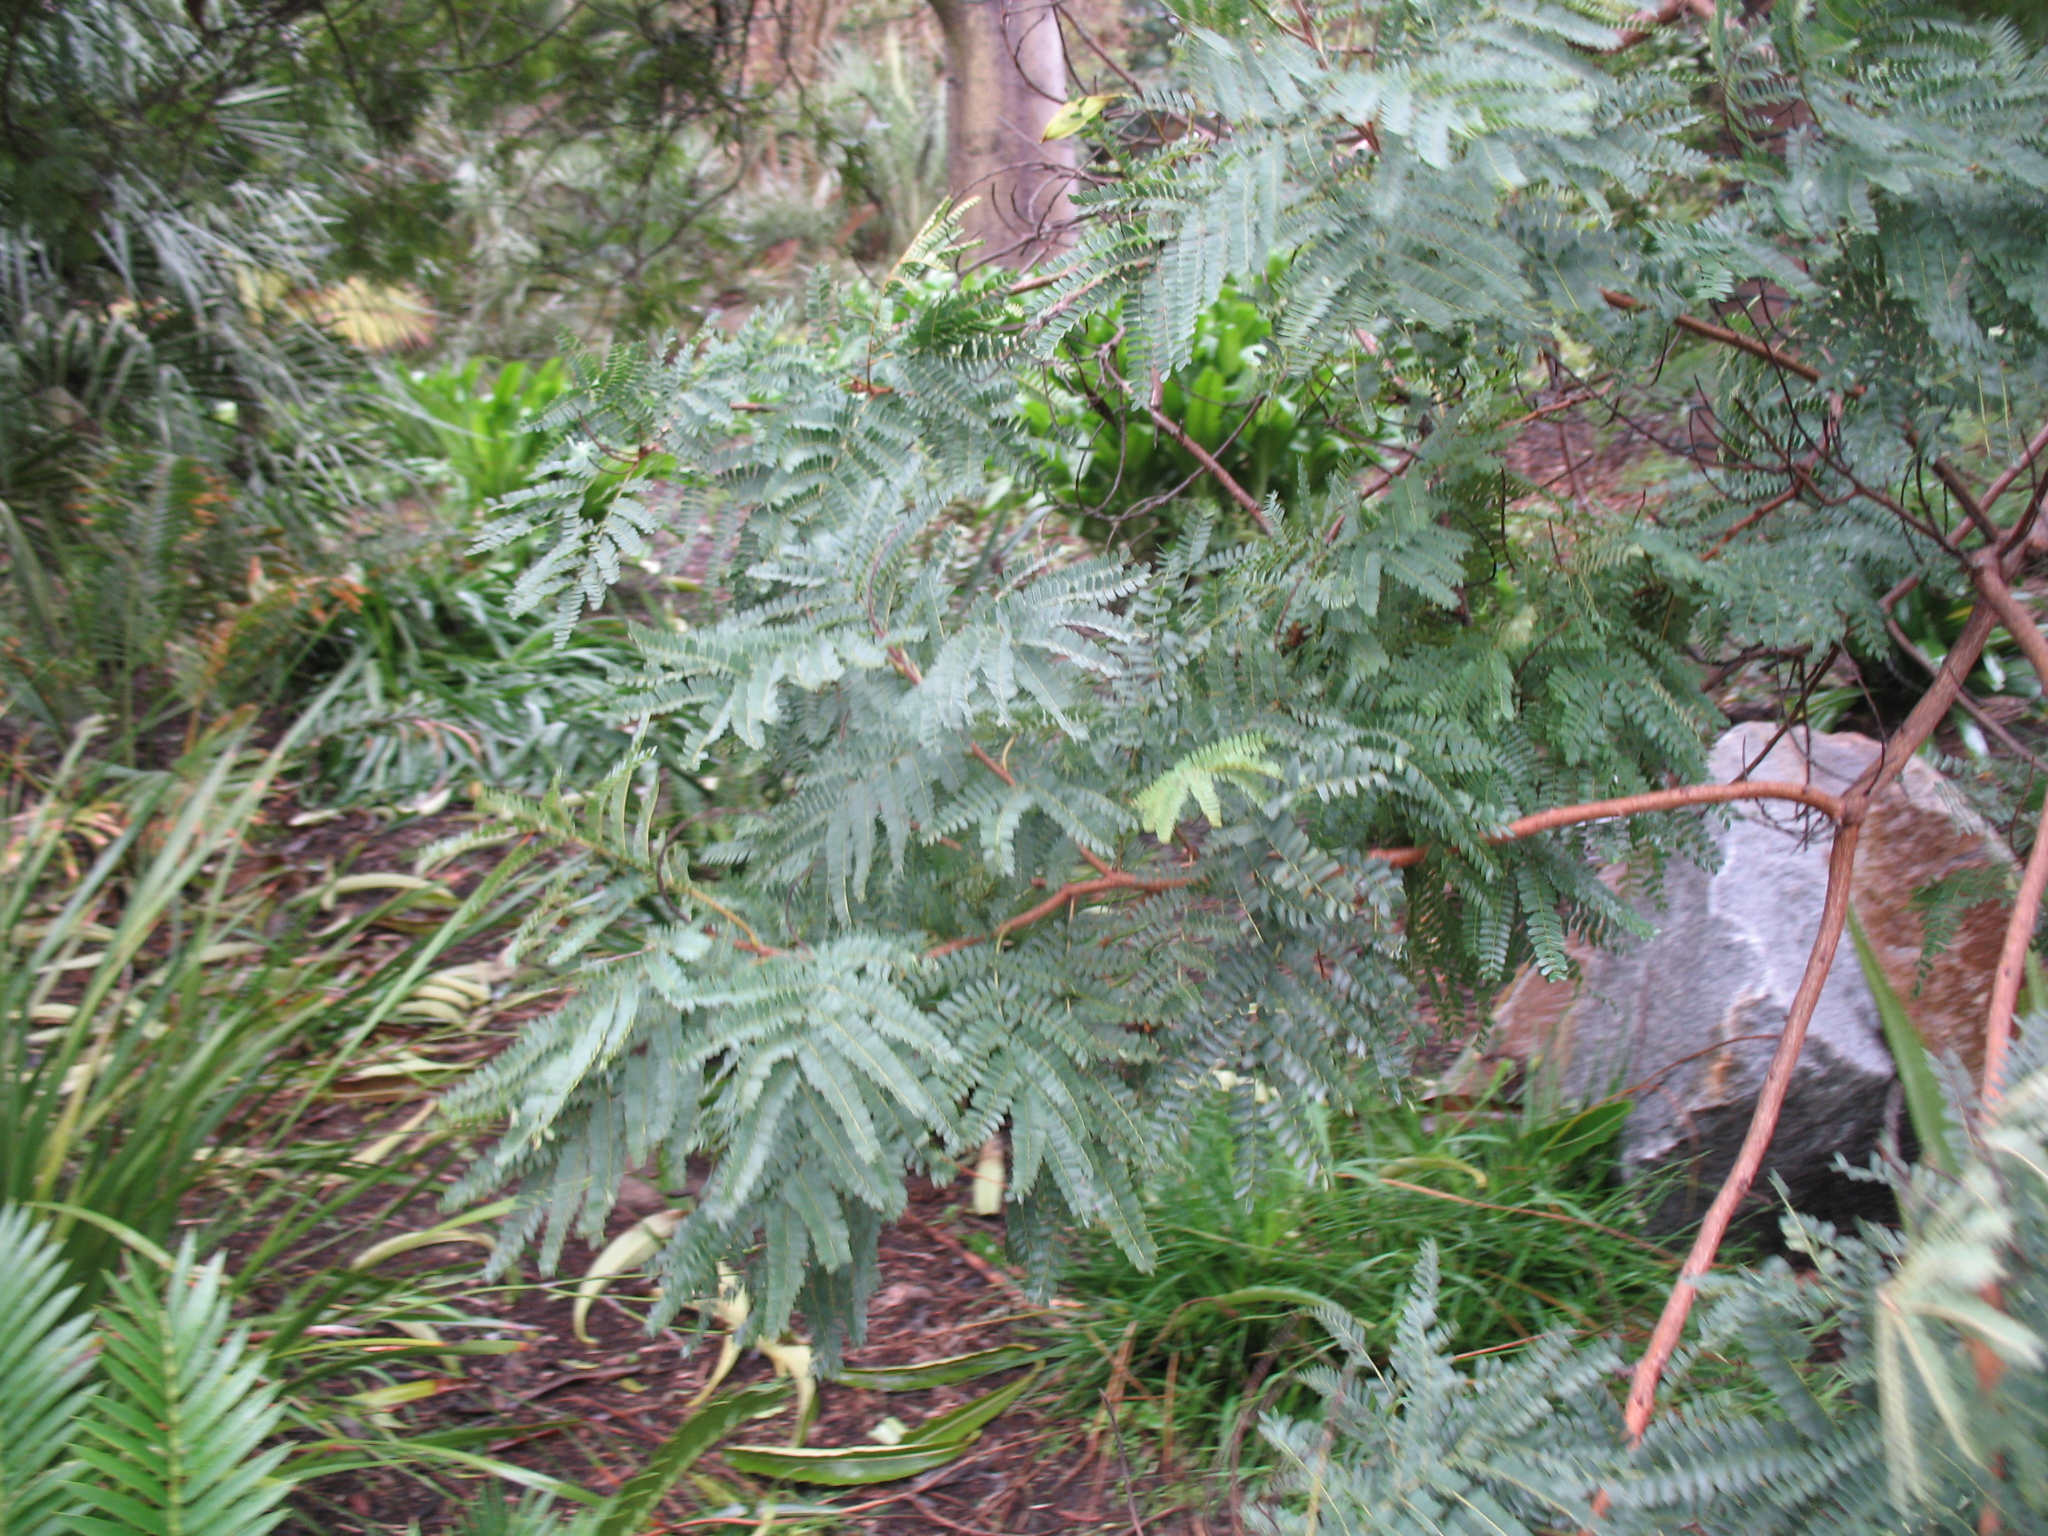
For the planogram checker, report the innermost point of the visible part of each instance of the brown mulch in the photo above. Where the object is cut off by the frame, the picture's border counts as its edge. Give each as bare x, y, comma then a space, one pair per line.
592, 1413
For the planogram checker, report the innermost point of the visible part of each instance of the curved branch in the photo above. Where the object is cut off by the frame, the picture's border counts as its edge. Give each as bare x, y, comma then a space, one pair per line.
1932, 709
1637, 805
1072, 891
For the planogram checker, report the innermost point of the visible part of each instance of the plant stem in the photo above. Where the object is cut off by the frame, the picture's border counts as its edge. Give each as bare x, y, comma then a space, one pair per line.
1638, 805
1763, 1125
1989, 574
1207, 460
1933, 707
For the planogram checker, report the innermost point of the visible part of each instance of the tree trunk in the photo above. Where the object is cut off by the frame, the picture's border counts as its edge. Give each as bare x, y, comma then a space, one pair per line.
1007, 68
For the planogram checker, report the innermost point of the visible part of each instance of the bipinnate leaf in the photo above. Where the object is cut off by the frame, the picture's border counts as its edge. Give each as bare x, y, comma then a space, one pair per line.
1241, 760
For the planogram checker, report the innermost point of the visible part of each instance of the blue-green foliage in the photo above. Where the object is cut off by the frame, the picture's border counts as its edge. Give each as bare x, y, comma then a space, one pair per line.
1847, 1397
145, 1418
930, 754
941, 906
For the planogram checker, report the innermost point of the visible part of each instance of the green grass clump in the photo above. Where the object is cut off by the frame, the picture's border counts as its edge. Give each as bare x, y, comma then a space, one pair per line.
1534, 1231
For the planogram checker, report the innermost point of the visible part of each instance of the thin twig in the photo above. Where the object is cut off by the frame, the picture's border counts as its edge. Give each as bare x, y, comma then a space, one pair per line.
1965, 699
1073, 891
1751, 521
1637, 805
1949, 476
1124, 1461
975, 1261
1216, 471
980, 753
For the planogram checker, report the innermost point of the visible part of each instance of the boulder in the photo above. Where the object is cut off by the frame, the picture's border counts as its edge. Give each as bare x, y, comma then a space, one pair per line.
1685, 1022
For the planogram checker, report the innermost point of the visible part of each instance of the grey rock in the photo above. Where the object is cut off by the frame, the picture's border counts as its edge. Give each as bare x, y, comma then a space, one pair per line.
1684, 1024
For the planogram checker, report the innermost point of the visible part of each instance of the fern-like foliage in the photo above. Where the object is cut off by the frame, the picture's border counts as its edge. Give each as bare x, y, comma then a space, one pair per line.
1038, 844
1513, 1447
177, 1436
1038, 838
1899, 1426
44, 1361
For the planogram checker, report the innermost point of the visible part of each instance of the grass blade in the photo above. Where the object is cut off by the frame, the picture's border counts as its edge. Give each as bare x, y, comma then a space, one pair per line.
631, 1505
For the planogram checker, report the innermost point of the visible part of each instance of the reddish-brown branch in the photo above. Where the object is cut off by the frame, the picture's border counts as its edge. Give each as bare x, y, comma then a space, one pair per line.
1216, 471
1072, 891
1075, 890
1749, 344
1644, 23
1039, 280
1708, 331
994, 767
1968, 702
1381, 477
2012, 962
1637, 805
2018, 467
1928, 713
1751, 521
1992, 587
1763, 1125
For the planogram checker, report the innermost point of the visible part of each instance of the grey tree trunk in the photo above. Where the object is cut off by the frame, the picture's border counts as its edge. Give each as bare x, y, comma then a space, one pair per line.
1008, 75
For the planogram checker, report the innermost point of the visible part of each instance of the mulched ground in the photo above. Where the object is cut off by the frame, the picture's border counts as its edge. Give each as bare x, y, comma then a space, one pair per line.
591, 1413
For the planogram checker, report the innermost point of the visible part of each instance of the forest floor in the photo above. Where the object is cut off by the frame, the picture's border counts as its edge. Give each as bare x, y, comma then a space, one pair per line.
590, 1413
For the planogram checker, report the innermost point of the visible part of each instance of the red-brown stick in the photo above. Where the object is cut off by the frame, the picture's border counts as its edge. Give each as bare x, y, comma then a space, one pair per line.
1637, 805
1216, 471
1763, 1125
2012, 963
1749, 344
1997, 488
1075, 890
1995, 592
1928, 713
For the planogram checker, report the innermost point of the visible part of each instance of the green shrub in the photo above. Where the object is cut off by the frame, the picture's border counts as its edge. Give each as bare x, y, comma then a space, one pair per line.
1534, 1233
478, 423
1891, 1384
1275, 433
